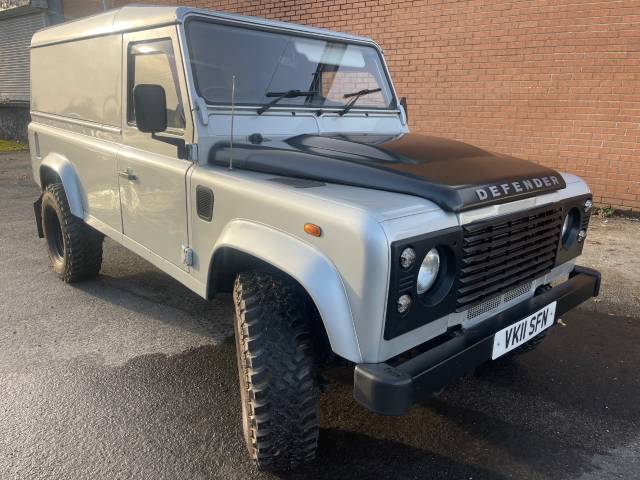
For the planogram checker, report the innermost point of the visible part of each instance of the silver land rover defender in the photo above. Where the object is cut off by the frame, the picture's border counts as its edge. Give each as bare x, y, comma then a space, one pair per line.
274, 161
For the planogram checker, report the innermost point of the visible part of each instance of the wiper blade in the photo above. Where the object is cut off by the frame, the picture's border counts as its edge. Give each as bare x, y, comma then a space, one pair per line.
280, 95
355, 96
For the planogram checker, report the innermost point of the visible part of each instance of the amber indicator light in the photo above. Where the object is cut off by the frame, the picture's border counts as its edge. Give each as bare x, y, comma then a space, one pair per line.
312, 229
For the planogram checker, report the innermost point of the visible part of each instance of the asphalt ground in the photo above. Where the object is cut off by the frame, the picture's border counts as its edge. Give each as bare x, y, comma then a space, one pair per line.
133, 376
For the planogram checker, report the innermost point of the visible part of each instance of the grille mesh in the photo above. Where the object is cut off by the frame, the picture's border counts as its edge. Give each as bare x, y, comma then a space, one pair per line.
503, 253
484, 307
493, 303
516, 292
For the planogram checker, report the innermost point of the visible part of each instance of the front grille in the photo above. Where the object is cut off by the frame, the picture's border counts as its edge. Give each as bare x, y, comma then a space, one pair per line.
487, 306
503, 253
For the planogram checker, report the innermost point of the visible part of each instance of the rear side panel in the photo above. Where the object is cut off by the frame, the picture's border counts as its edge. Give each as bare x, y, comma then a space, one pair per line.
76, 106
80, 80
91, 153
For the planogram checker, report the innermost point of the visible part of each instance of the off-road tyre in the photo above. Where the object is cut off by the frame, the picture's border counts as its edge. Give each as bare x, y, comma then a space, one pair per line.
75, 249
278, 383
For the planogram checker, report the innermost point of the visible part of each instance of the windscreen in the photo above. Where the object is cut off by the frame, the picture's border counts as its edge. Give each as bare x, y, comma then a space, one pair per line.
267, 64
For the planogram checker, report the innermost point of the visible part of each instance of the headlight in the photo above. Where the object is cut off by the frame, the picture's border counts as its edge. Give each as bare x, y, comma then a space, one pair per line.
428, 270
570, 227
565, 226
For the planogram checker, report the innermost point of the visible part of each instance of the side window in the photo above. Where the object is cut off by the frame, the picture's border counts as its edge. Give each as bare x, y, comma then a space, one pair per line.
154, 63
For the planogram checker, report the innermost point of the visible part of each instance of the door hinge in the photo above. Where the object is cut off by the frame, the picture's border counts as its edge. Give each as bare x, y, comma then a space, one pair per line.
192, 151
187, 256
203, 109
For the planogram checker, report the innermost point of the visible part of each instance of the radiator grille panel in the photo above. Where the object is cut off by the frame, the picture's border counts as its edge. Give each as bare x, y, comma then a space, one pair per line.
506, 252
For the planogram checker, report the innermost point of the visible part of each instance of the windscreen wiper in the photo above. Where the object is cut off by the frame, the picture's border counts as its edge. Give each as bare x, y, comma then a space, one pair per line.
280, 95
355, 96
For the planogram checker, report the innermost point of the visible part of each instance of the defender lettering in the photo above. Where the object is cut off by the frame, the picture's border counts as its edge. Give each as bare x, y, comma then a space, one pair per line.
524, 185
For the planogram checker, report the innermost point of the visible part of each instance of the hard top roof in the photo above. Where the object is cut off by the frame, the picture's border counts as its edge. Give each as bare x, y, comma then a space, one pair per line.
137, 17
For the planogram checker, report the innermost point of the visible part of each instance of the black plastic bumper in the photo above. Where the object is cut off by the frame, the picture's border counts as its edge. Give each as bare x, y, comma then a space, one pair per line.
391, 390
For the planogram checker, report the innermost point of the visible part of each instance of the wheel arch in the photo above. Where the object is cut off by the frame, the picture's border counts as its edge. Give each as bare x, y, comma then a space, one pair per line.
245, 246
56, 168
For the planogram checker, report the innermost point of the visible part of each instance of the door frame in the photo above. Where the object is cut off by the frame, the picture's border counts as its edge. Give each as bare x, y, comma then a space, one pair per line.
133, 137
136, 143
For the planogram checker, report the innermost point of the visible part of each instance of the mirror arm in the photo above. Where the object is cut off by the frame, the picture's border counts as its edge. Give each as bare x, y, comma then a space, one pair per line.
177, 142
403, 102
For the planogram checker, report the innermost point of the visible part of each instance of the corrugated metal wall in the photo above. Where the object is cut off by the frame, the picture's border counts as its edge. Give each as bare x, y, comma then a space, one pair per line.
15, 37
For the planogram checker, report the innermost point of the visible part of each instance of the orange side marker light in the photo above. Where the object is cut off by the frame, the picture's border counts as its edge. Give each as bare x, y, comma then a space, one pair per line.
312, 229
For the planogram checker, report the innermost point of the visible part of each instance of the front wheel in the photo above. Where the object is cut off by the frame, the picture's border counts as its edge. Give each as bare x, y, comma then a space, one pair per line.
278, 385
75, 249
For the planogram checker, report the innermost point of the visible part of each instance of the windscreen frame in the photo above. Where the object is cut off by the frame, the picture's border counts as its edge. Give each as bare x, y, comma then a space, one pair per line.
393, 104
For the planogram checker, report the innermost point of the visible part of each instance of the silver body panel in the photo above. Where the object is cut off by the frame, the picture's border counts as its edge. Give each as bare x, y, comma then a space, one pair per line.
345, 271
92, 94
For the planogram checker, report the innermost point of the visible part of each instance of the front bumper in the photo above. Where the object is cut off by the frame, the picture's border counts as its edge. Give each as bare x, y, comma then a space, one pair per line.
391, 390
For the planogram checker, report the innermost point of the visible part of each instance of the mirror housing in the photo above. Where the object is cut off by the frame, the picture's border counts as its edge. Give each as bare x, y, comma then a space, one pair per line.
150, 104
403, 102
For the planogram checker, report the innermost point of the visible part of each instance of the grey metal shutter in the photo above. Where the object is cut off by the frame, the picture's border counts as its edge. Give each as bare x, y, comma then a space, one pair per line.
15, 38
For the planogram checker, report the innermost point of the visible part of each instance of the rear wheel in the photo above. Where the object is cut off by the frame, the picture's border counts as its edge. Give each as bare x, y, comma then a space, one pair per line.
75, 249
278, 385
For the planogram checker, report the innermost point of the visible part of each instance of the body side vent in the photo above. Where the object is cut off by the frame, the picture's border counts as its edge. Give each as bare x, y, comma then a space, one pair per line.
204, 203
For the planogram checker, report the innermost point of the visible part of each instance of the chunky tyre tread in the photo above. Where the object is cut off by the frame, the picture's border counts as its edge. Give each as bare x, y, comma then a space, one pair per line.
276, 362
82, 244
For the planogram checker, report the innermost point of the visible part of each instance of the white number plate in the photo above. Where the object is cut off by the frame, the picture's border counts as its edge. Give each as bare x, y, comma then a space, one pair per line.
521, 332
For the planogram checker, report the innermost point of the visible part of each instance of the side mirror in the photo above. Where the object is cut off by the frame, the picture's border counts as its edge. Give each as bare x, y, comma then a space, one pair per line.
150, 103
403, 102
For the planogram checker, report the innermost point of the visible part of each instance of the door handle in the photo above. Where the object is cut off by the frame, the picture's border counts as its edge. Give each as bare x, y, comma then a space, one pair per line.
128, 174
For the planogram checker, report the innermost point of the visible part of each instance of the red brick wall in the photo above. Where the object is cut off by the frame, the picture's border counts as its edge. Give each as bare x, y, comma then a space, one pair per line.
554, 81
73, 9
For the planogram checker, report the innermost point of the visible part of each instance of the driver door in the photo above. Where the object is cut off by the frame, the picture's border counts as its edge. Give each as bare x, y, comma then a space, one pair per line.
151, 174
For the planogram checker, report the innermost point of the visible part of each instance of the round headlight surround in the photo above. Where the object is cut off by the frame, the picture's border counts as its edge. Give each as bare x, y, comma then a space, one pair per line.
570, 228
565, 226
429, 271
